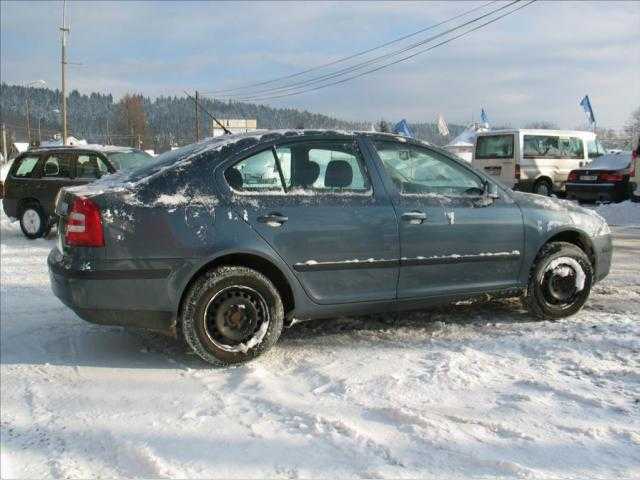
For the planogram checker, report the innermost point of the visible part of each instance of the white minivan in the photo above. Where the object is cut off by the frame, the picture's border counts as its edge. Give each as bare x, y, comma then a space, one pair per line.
536, 161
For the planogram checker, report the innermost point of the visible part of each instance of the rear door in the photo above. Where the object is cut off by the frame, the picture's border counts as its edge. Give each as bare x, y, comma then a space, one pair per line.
317, 203
552, 156
453, 239
496, 156
57, 172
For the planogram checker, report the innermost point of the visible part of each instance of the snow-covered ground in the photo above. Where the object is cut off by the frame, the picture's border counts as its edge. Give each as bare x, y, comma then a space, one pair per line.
623, 213
470, 391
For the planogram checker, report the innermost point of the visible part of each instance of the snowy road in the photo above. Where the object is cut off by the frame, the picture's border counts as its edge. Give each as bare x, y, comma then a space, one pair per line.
468, 391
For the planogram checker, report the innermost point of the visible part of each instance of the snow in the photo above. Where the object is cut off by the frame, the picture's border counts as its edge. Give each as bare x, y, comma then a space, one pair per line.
623, 213
474, 390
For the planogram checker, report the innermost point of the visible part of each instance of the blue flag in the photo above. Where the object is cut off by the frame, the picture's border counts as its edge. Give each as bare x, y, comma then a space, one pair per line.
402, 128
585, 103
483, 116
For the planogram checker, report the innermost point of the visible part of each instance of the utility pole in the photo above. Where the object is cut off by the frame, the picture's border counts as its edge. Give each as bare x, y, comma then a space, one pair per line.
107, 139
4, 143
139, 142
197, 119
28, 118
39, 131
65, 30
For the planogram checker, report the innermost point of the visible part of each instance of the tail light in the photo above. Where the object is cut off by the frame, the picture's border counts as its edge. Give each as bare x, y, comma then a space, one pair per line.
573, 176
84, 224
517, 171
632, 167
611, 177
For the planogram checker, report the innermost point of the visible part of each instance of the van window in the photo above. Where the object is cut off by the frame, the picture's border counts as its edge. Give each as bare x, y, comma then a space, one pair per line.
595, 149
26, 167
550, 146
494, 146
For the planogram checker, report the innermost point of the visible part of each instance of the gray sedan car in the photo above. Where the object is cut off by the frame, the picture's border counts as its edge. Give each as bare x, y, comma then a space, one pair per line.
227, 241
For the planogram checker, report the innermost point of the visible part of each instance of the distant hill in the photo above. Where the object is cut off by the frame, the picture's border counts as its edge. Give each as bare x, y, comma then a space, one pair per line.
170, 120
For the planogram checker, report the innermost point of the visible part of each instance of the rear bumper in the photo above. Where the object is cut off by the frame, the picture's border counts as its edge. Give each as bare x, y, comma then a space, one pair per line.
597, 191
130, 298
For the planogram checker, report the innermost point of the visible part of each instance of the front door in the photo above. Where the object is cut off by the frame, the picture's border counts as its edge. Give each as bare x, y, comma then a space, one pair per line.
318, 206
454, 239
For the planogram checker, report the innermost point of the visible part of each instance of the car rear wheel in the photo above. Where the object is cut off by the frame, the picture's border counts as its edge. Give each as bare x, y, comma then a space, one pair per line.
543, 187
560, 281
231, 315
33, 221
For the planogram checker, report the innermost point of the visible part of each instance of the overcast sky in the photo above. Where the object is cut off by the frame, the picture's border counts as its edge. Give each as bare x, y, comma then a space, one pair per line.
533, 65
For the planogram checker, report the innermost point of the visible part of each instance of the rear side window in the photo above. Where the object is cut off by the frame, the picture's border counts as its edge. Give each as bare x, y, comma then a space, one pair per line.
549, 146
57, 166
27, 167
494, 146
310, 166
595, 149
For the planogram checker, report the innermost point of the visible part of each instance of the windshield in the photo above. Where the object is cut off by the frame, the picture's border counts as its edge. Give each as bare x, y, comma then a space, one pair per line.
129, 160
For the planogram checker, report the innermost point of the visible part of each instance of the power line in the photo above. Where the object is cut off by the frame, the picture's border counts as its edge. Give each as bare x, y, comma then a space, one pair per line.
359, 66
344, 80
350, 57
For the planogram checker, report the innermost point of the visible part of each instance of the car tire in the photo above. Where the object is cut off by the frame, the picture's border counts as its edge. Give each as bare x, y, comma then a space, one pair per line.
543, 187
34, 223
560, 281
232, 315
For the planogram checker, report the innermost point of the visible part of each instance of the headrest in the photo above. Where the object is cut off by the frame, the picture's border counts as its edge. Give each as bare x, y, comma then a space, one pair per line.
339, 174
307, 173
51, 168
234, 178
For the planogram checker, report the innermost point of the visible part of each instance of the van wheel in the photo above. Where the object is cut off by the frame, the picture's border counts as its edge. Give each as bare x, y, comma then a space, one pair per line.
560, 281
543, 187
33, 221
232, 315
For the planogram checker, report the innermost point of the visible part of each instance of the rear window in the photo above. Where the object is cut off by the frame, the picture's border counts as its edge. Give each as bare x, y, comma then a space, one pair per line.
26, 167
129, 160
494, 146
550, 146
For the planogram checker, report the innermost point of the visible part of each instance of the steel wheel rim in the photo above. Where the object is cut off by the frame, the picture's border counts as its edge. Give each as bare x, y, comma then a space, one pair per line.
236, 318
559, 286
543, 189
31, 221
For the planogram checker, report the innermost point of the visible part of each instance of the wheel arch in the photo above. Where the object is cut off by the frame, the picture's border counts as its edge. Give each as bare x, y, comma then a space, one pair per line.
249, 260
575, 237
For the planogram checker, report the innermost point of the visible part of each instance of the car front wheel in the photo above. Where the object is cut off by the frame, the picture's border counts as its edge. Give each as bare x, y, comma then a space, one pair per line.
33, 221
560, 281
231, 315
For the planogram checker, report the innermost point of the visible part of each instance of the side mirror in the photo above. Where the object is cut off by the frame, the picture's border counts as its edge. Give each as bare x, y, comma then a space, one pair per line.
491, 190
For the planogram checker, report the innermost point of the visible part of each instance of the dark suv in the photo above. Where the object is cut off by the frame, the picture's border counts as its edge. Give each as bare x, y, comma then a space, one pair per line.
36, 177
228, 240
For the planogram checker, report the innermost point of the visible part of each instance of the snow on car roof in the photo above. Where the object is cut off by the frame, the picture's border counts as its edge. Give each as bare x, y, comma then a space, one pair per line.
90, 146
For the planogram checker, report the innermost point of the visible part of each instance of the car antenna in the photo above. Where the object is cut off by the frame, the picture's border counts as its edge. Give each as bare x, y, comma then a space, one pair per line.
226, 130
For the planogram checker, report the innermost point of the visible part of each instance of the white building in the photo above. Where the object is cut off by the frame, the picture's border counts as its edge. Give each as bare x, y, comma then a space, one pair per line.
234, 125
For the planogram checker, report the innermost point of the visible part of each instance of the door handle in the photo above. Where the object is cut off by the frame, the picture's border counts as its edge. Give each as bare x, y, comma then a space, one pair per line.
273, 219
415, 217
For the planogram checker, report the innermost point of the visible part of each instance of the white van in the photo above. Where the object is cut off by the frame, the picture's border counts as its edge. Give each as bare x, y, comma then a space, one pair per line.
536, 161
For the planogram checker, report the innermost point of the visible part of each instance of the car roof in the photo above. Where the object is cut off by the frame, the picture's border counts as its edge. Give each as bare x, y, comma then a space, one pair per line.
539, 131
94, 147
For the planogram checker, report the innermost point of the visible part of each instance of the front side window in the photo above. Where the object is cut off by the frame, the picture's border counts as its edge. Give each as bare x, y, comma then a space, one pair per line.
595, 149
494, 146
549, 146
129, 160
26, 167
305, 166
57, 166
90, 166
416, 170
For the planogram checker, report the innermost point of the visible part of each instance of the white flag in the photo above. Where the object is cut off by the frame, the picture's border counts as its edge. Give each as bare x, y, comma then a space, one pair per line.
442, 126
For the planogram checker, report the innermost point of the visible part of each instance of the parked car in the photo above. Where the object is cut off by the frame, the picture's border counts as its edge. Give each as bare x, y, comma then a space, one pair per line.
537, 161
635, 179
35, 177
607, 178
199, 244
